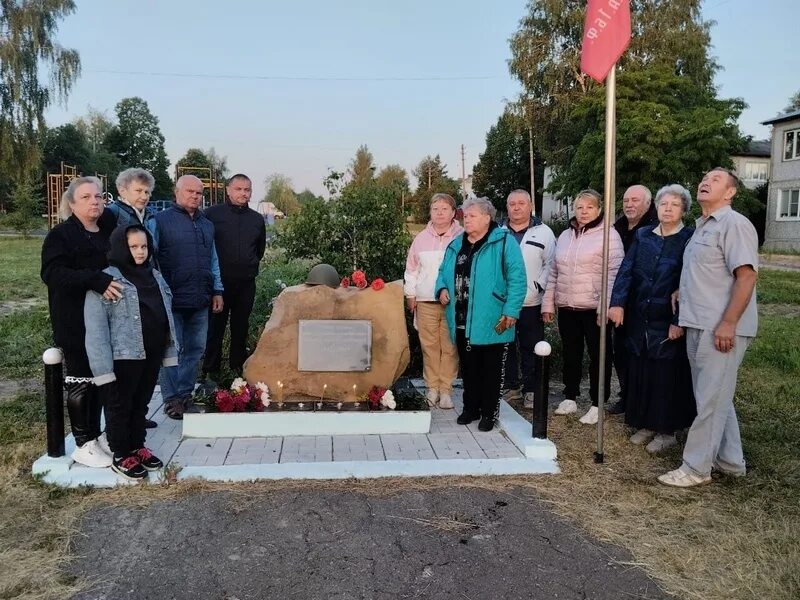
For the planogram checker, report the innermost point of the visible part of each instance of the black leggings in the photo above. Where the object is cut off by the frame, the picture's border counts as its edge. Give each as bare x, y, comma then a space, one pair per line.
482, 372
577, 327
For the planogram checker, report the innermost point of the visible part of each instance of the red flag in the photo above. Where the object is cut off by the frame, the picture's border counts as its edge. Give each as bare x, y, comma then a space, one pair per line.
606, 35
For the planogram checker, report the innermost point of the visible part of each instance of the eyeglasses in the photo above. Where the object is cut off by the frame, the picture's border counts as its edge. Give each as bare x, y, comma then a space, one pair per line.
732, 173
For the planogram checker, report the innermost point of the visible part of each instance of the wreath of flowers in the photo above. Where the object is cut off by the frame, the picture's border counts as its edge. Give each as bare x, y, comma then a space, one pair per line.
359, 279
243, 397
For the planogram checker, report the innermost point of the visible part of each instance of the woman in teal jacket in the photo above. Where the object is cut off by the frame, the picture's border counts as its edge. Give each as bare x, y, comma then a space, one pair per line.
482, 284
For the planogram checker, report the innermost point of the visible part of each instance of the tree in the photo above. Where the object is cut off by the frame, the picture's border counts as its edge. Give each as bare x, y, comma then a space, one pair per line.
280, 193
194, 157
307, 196
138, 142
545, 52
362, 167
505, 164
94, 126
794, 103
218, 163
28, 204
65, 144
28, 52
432, 178
395, 178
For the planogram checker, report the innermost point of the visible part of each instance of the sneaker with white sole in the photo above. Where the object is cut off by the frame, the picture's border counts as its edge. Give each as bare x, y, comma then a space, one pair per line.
566, 407
528, 401
590, 418
680, 478
445, 401
102, 441
642, 436
660, 443
91, 455
129, 467
431, 396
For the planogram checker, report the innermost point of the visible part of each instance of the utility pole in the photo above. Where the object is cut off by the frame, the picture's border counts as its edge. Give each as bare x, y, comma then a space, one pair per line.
533, 184
463, 172
429, 175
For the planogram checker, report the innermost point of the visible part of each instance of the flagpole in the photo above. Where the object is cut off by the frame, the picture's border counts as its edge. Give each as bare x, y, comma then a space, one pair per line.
610, 196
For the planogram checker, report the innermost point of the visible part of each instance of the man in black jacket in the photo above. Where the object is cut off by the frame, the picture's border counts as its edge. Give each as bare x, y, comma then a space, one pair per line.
240, 238
638, 211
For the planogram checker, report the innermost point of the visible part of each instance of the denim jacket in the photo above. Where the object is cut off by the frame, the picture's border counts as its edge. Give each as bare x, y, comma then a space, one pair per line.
114, 331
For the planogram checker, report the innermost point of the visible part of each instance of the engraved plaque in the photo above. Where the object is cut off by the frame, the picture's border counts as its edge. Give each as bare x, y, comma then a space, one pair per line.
340, 345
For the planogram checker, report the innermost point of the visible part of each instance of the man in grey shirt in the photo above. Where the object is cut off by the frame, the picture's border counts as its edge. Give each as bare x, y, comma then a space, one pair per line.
718, 310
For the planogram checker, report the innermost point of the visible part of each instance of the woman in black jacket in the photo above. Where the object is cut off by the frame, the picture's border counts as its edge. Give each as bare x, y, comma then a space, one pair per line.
73, 259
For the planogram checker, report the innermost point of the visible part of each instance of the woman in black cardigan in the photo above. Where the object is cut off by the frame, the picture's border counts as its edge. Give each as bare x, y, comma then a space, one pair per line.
73, 259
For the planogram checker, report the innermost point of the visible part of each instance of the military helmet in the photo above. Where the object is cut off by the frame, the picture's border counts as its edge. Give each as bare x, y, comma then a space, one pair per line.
323, 274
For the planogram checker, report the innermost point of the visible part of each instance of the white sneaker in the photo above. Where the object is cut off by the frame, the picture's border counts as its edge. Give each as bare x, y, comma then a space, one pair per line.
590, 418
445, 401
91, 455
102, 442
660, 443
642, 436
680, 478
528, 402
431, 396
567, 407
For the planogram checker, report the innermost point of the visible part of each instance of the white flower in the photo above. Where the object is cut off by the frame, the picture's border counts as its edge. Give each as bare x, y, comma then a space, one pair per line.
238, 384
262, 387
265, 399
388, 401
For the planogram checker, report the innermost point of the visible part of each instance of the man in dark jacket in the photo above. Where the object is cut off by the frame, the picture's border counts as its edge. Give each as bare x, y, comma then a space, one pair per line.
638, 211
240, 237
187, 258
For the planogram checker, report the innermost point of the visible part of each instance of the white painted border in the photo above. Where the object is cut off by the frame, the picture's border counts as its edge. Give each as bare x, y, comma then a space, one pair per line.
520, 432
293, 423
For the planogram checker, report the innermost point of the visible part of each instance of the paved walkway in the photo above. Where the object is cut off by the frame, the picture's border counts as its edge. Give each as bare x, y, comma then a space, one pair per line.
448, 449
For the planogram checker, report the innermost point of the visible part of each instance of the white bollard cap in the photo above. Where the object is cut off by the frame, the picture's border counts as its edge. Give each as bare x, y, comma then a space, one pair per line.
52, 356
542, 348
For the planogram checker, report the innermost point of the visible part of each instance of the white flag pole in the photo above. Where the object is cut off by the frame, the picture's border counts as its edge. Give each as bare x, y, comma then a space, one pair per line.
610, 197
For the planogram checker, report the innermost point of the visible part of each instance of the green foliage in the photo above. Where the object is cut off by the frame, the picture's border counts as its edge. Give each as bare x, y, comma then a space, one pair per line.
28, 204
137, 141
395, 178
66, 144
794, 103
362, 167
29, 56
306, 196
280, 193
361, 229
204, 159
432, 179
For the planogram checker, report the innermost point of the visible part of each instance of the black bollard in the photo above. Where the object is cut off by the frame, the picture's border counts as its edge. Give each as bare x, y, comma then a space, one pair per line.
54, 401
542, 392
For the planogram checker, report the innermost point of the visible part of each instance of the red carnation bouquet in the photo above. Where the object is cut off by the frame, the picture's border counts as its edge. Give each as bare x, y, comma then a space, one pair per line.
242, 397
359, 279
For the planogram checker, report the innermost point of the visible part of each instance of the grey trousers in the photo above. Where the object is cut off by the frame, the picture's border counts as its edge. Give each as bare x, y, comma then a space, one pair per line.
713, 439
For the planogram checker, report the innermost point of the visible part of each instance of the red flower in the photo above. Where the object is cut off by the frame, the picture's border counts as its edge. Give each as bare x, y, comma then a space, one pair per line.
374, 397
361, 284
345, 282
224, 401
359, 277
377, 284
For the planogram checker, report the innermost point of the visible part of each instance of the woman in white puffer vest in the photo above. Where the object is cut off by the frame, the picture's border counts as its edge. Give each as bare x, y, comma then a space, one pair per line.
574, 288
439, 355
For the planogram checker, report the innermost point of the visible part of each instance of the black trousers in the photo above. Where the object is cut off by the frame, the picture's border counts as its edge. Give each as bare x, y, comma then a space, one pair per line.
126, 401
530, 331
578, 327
238, 299
84, 404
621, 360
482, 371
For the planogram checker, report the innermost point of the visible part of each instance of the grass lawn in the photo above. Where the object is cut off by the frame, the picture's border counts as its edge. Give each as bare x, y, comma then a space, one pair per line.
734, 539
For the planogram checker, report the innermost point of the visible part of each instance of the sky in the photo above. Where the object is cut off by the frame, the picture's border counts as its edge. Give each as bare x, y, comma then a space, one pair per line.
296, 87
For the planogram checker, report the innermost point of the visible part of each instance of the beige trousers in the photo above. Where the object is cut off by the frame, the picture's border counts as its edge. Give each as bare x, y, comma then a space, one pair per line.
439, 354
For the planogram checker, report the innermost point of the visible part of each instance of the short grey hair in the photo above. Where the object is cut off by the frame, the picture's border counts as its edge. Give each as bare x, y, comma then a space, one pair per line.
68, 197
521, 192
675, 189
484, 204
590, 193
128, 176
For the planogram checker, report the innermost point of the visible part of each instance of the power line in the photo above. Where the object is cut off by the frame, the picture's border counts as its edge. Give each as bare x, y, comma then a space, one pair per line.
290, 78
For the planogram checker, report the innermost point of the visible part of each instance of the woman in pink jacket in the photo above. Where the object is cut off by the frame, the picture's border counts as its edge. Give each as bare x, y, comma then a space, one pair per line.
439, 356
574, 289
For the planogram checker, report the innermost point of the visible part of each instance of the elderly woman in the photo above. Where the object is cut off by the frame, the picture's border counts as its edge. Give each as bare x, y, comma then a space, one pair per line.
73, 259
482, 285
135, 186
574, 289
660, 398
439, 355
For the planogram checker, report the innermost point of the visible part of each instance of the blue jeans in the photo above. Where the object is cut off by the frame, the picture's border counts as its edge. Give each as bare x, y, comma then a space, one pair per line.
191, 328
530, 331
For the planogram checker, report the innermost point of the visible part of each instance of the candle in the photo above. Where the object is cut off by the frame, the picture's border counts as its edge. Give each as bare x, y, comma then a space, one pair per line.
300, 405
355, 393
280, 393
324, 387
338, 406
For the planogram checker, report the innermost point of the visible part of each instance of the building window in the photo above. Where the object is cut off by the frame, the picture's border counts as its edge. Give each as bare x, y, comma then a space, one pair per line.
755, 171
791, 145
789, 205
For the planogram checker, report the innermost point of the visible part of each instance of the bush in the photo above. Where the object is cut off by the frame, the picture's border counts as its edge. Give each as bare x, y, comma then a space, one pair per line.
361, 229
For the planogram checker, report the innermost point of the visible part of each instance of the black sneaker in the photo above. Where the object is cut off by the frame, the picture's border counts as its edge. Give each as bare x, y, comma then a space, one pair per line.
148, 460
129, 467
486, 424
466, 418
148, 424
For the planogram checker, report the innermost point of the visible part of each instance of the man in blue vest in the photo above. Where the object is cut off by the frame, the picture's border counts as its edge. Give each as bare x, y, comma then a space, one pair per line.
188, 261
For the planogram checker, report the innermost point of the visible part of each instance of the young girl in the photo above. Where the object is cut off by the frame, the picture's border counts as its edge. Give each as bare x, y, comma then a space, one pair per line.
127, 341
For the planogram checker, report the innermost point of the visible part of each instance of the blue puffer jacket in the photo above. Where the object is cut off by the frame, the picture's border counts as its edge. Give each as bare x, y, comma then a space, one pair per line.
114, 329
187, 257
497, 287
649, 275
